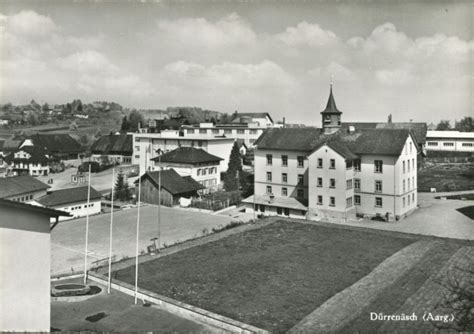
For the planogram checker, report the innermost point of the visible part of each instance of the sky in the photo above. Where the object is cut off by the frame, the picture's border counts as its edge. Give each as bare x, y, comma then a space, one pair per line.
411, 59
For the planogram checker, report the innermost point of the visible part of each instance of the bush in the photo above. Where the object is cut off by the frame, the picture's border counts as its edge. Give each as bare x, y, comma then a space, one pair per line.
95, 167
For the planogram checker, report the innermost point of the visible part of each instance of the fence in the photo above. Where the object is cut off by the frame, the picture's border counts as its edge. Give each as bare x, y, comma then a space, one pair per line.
217, 201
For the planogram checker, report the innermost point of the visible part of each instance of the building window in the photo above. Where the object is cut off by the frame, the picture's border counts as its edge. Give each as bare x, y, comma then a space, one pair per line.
403, 200
269, 189
408, 166
349, 184
320, 182
332, 164
190, 131
320, 163
204, 171
466, 144
413, 163
262, 208
378, 186
432, 143
357, 184
228, 131
279, 211
202, 131
215, 131
269, 176
413, 198
403, 168
378, 164
199, 172
348, 202
253, 132
284, 191
349, 164
300, 193
300, 162
408, 197
403, 185
332, 183
240, 131
284, 178
286, 211
413, 182
269, 159
332, 201
357, 199
300, 178
448, 144
357, 165
411, 148
378, 202
408, 184
284, 160
320, 200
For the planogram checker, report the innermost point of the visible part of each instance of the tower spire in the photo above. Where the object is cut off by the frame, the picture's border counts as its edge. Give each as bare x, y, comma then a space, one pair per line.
331, 116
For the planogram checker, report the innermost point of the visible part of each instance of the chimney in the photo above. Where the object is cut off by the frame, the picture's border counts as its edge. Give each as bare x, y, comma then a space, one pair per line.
389, 118
284, 121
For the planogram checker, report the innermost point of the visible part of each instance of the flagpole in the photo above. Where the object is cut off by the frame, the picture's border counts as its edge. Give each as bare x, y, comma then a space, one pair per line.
111, 229
87, 225
159, 202
138, 231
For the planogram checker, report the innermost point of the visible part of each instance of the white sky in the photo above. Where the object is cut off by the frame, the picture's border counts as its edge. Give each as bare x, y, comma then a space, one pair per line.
411, 59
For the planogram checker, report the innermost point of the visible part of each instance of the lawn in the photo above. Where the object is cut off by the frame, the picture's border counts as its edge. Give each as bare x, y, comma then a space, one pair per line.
270, 277
446, 177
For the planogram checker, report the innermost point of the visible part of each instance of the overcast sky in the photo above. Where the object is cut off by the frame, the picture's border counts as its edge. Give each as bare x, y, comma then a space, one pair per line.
411, 59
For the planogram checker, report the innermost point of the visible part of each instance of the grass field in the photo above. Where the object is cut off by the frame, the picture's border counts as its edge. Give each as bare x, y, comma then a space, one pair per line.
446, 177
270, 277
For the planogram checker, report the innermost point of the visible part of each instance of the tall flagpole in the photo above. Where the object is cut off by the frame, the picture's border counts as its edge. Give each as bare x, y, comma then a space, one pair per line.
87, 225
138, 231
111, 229
159, 202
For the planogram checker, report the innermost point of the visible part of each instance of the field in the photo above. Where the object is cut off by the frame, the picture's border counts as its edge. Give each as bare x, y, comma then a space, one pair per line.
446, 177
270, 277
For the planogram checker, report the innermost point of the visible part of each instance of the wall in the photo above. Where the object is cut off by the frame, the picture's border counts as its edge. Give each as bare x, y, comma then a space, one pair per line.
24, 271
26, 196
149, 194
292, 171
82, 211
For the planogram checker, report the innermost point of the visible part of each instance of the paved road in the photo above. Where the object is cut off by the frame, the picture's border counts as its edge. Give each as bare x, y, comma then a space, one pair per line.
434, 217
68, 238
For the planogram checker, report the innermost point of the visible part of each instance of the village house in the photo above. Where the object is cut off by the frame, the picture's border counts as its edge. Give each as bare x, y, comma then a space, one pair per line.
115, 148
335, 173
29, 160
25, 264
195, 162
73, 201
22, 188
173, 187
59, 146
147, 145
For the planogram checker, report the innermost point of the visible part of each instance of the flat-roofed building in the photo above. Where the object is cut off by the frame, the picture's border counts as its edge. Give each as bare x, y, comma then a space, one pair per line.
450, 141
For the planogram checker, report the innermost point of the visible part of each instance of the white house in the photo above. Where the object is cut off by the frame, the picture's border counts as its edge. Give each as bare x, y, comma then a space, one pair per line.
73, 201
25, 262
452, 141
146, 146
335, 174
190, 161
260, 119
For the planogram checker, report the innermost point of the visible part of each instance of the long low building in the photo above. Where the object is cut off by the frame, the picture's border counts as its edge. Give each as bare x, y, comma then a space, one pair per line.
450, 141
22, 188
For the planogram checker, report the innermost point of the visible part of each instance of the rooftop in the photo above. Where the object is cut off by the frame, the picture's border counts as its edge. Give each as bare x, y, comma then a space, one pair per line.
173, 182
450, 134
283, 202
188, 155
34, 208
17, 185
66, 196
56, 143
113, 144
331, 105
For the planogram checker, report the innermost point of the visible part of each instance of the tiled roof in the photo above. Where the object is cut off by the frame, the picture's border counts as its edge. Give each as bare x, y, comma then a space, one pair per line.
293, 139
56, 143
17, 185
33, 208
419, 129
348, 145
188, 155
67, 196
173, 182
113, 144
37, 155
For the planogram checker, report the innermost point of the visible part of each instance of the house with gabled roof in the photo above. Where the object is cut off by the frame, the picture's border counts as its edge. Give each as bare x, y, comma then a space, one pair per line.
171, 185
30, 160
62, 146
194, 162
117, 148
74, 201
22, 188
335, 173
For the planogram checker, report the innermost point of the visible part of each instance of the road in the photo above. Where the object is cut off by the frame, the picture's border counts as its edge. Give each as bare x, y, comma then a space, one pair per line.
68, 237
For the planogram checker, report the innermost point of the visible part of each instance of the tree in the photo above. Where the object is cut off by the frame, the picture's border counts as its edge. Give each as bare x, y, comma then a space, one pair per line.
121, 189
73, 126
45, 107
234, 178
135, 120
443, 125
465, 125
125, 125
